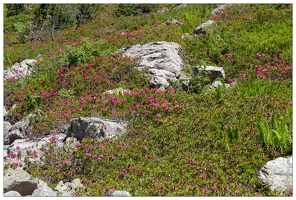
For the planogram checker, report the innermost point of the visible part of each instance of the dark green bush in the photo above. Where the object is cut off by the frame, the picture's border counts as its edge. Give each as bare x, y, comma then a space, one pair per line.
134, 9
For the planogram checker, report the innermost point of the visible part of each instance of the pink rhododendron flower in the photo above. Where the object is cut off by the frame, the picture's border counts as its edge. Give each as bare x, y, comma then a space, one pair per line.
111, 190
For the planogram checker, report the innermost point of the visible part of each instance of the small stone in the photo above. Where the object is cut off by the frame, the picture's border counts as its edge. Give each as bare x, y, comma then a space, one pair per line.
118, 193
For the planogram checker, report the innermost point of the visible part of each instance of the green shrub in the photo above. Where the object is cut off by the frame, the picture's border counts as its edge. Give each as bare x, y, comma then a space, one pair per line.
85, 51
277, 132
134, 9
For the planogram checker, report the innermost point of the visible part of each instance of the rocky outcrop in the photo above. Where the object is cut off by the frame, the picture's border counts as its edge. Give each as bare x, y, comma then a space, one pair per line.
92, 127
19, 69
119, 193
21, 129
6, 127
172, 21
12, 194
118, 91
161, 59
4, 111
277, 174
218, 10
43, 190
19, 181
17, 131
201, 28
213, 72
68, 189
162, 10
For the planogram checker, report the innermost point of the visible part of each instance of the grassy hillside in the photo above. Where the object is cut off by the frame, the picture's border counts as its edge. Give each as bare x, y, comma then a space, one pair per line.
196, 142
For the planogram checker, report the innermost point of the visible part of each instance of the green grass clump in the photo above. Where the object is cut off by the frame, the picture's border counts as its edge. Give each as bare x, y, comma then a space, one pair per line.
191, 142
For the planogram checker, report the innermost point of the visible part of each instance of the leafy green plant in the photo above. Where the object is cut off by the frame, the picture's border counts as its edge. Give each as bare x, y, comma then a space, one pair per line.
86, 51
278, 132
199, 82
22, 31
32, 102
134, 9
220, 91
231, 137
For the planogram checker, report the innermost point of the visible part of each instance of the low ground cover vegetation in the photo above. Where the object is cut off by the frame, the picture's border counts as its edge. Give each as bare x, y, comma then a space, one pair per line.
193, 142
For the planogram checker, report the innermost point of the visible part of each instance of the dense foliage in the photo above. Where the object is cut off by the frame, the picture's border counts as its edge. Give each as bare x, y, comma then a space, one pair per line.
197, 142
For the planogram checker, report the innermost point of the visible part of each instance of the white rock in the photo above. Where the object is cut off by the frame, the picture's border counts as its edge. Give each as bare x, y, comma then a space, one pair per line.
278, 174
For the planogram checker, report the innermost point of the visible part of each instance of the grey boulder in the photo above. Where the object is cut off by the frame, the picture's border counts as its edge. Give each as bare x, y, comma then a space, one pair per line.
12, 194
161, 59
213, 71
92, 127
218, 10
43, 190
172, 21
119, 193
20, 69
20, 181
201, 28
277, 174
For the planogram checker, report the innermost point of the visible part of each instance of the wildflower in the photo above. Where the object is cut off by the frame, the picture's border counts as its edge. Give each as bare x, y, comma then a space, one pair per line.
11, 155
17, 147
165, 104
53, 140
111, 191
230, 80
30, 134
47, 152
101, 146
206, 191
170, 89
133, 167
88, 155
258, 195
202, 175
225, 126
68, 162
159, 115
214, 188
15, 164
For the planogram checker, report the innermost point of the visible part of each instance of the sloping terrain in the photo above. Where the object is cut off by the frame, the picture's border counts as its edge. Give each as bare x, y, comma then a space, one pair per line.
184, 135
